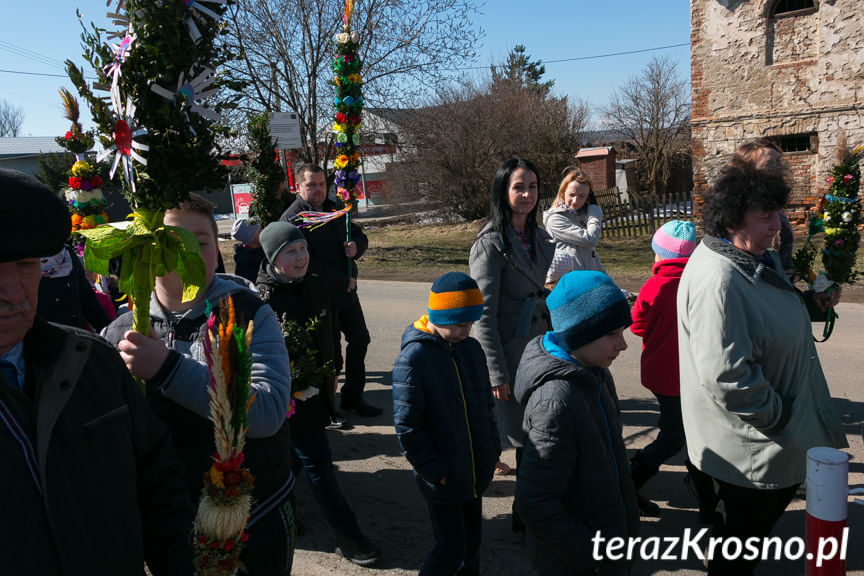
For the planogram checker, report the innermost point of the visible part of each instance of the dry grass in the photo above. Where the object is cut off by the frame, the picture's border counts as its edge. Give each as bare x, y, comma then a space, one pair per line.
422, 252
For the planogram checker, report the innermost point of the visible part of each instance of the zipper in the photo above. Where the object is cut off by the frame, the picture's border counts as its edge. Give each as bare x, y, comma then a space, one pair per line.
169, 335
467, 425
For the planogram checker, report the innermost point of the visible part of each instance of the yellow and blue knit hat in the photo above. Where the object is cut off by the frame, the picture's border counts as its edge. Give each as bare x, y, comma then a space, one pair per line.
454, 299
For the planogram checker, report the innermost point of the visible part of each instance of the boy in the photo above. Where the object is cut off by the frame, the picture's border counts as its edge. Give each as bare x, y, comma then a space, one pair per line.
293, 293
443, 412
655, 321
171, 362
574, 482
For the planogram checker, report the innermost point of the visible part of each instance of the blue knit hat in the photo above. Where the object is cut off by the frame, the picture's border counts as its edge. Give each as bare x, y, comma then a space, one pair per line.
675, 239
586, 305
454, 299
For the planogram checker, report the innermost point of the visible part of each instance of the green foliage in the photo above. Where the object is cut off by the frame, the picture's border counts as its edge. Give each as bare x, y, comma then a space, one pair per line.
54, 168
182, 144
520, 71
842, 216
307, 370
263, 172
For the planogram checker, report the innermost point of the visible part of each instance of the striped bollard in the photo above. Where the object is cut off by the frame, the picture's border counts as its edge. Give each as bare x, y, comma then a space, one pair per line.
827, 493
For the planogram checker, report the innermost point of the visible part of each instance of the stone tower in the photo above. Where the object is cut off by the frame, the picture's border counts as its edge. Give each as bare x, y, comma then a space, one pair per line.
791, 70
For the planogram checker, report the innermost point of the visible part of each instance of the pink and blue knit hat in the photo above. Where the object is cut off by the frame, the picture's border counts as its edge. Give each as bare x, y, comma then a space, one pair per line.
675, 239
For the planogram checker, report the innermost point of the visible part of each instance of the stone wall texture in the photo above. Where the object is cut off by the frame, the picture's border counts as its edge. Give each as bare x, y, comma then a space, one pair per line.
754, 74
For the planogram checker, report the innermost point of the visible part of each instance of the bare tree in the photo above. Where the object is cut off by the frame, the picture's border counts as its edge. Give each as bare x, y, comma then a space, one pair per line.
285, 51
652, 111
457, 143
11, 119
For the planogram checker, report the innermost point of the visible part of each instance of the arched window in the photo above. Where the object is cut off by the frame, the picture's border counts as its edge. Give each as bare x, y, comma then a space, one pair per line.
784, 6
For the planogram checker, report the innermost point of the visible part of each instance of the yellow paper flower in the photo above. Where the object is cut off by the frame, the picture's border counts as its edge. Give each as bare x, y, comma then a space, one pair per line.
337, 81
355, 79
216, 477
338, 127
340, 162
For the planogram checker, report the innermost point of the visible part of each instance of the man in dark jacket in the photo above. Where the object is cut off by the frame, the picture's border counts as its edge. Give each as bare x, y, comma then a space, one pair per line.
332, 258
90, 482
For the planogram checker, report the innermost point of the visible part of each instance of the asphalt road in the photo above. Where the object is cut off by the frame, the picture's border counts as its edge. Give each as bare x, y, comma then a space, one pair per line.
377, 481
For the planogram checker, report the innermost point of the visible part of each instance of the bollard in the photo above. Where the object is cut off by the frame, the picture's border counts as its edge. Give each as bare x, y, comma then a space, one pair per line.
827, 493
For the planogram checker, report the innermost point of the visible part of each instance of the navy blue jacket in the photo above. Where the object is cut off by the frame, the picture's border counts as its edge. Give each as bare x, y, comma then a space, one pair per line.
443, 413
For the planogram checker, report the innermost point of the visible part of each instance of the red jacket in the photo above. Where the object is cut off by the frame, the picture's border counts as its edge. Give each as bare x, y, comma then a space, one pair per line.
656, 321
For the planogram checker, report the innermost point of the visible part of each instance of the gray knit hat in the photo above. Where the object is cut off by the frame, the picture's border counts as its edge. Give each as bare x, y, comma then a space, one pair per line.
276, 236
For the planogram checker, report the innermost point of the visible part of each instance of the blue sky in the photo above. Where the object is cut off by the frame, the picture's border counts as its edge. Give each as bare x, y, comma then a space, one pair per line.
549, 29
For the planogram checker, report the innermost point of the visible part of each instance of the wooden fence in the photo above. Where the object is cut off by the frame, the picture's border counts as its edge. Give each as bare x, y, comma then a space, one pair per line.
638, 215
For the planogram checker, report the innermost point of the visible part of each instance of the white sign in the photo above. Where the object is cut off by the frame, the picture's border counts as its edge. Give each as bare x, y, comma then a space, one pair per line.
285, 130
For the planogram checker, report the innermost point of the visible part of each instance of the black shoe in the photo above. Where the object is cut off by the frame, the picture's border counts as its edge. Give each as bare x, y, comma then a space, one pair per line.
336, 423
358, 550
647, 508
361, 407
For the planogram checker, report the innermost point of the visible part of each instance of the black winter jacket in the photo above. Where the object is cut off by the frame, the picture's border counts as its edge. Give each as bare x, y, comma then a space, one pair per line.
327, 245
302, 301
70, 300
103, 491
574, 478
443, 412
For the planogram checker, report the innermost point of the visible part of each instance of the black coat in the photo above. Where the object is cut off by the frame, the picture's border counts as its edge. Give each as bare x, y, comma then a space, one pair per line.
442, 410
327, 245
106, 492
302, 301
574, 478
70, 300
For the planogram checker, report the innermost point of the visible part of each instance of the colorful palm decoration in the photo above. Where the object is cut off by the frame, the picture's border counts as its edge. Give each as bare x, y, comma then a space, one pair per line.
838, 217
162, 140
348, 105
227, 493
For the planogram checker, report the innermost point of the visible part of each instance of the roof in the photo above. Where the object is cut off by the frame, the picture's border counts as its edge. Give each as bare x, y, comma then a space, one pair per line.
594, 152
29, 146
398, 116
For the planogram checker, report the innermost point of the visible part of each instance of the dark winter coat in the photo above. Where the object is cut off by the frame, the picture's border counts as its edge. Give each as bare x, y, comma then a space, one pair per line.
70, 300
574, 478
327, 245
302, 301
90, 481
442, 409
173, 392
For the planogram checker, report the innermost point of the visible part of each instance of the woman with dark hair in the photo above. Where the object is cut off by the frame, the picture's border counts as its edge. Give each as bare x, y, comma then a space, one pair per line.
753, 395
509, 260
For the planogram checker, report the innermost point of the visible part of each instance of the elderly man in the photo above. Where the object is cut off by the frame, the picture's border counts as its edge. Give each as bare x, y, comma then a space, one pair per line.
90, 482
330, 253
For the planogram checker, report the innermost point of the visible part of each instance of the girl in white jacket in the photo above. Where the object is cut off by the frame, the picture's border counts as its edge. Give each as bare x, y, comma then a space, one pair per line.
574, 222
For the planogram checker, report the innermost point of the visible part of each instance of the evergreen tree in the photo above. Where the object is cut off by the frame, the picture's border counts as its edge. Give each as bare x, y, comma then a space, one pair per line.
520, 71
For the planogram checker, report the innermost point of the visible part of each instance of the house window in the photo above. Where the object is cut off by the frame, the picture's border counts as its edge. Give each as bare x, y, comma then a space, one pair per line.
784, 6
791, 143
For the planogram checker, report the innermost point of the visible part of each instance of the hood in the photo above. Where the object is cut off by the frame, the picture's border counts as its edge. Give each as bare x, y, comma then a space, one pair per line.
552, 210
222, 285
417, 332
669, 267
539, 366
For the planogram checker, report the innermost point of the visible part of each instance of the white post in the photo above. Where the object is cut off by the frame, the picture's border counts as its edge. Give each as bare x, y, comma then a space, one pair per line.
827, 494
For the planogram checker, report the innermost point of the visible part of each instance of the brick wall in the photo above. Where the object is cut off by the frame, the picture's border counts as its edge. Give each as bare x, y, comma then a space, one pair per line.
753, 75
